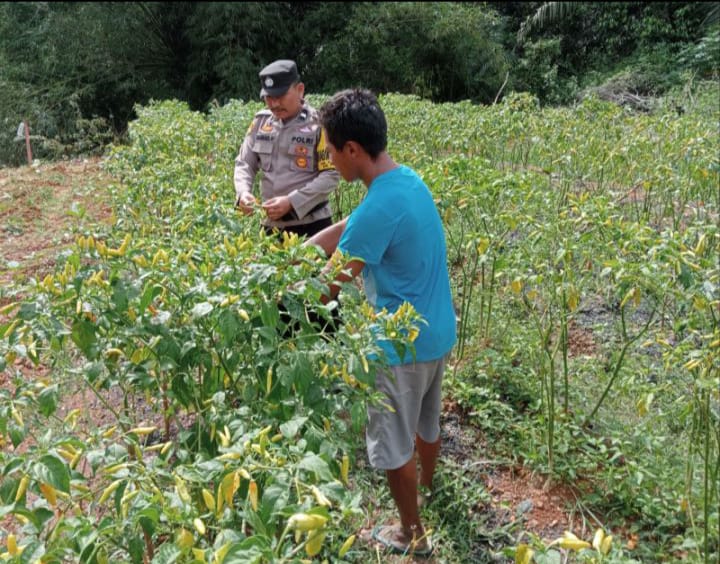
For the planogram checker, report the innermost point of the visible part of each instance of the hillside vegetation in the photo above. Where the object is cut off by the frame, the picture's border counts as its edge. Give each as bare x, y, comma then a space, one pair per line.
75, 70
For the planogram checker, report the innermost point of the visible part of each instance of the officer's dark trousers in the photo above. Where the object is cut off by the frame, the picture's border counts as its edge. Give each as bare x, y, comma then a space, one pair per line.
307, 229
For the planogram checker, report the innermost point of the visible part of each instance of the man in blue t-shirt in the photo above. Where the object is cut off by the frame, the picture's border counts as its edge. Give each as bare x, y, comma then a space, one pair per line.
395, 238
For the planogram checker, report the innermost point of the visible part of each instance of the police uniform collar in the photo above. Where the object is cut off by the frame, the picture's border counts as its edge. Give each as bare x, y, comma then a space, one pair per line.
302, 115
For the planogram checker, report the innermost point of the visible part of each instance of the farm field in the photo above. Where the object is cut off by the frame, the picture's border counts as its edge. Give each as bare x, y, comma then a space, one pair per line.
165, 398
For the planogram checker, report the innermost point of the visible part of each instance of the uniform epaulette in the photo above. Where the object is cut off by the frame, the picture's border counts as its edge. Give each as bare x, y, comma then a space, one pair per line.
258, 118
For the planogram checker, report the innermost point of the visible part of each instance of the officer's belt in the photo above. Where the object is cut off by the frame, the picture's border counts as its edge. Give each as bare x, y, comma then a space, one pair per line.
292, 215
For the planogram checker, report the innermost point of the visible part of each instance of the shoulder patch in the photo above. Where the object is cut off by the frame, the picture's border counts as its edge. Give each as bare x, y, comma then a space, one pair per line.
250, 128
322, 142
323, 155
259, 116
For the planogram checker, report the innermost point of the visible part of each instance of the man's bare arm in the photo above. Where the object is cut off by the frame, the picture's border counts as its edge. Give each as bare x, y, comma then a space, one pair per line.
351, 269
328, 238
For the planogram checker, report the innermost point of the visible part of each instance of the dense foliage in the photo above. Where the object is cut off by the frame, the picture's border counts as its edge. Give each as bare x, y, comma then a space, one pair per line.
75, 70
234, 420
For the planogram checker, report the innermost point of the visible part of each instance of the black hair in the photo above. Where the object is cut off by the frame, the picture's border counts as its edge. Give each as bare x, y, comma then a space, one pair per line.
355, 115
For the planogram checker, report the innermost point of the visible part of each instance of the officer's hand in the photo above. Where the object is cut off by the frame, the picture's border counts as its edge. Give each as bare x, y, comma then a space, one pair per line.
275, 208
246, 203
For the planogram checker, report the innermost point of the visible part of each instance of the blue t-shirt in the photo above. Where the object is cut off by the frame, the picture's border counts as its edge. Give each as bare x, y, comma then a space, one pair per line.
397, 232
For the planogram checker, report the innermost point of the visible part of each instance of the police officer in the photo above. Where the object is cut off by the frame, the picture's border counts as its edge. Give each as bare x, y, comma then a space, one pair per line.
285, 142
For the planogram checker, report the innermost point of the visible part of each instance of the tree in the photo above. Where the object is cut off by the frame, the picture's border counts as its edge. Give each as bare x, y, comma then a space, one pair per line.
596, 41
444, 51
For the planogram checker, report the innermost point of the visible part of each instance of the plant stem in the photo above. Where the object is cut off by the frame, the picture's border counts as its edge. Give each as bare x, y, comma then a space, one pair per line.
490, 297
149, 546
105, 403
551, 414
564, 347
706, 485
467, 286
482, 297
281, 539
619, 362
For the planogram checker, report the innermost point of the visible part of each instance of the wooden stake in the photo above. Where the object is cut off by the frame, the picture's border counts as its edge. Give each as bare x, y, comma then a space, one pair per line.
28, 149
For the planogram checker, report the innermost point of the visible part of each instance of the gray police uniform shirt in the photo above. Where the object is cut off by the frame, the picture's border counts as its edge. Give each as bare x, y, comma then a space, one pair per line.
294, 161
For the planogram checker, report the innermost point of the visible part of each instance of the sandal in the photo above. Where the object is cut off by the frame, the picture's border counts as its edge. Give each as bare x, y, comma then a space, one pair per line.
387, 536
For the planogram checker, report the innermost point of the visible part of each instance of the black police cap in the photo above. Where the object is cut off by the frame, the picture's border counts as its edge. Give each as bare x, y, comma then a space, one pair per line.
277, 77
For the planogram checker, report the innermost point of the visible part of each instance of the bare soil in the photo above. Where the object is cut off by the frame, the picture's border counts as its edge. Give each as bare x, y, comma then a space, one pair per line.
508, 498
39, 209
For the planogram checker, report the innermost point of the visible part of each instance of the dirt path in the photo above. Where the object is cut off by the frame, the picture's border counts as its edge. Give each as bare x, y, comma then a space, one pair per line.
39, 209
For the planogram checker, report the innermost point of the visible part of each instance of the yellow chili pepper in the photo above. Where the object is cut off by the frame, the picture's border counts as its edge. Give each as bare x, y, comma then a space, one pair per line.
12, 545
314, 543
199, 525
107, 492
49, 493
209, 499
253, 494
346, 546
22, 487
306, 522
345, 469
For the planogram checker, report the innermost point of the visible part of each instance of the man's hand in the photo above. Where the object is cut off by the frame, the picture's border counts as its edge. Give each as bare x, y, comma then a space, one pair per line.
275, 208
351, 269
246, 203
